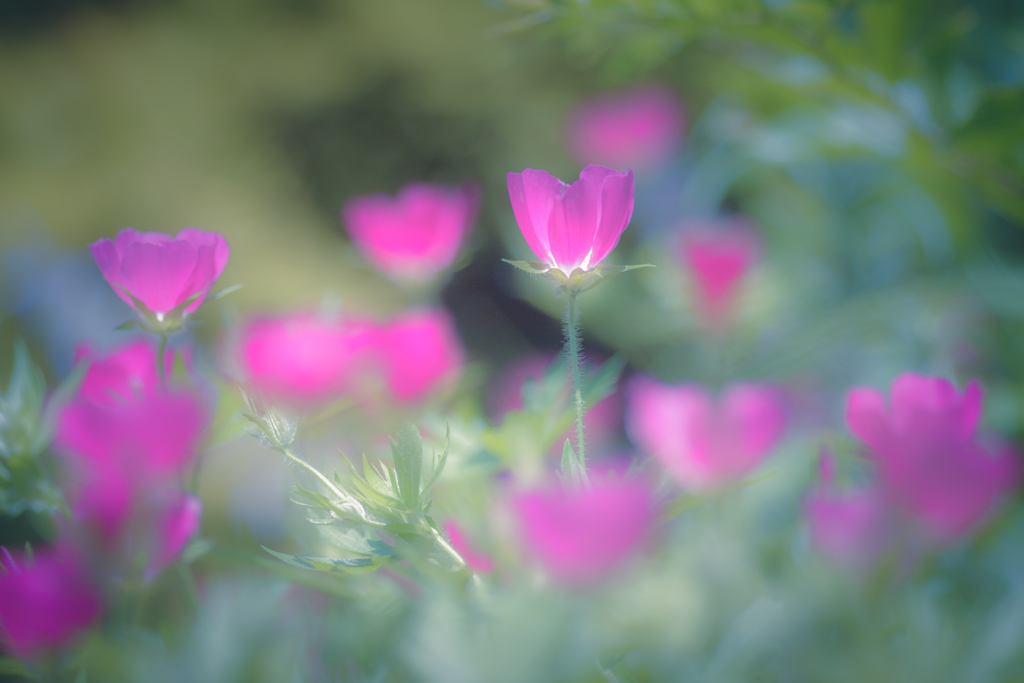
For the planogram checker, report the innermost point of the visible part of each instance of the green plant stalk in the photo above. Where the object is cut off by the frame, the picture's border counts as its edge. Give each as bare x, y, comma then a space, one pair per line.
315, 472
161, 374
447, 547
574, 356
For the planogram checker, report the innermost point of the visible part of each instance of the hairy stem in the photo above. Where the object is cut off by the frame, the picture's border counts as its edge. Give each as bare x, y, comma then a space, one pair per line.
574, 358
161, 373
447, 547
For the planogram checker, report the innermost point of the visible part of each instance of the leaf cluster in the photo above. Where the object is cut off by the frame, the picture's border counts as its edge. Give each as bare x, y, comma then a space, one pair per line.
381, 515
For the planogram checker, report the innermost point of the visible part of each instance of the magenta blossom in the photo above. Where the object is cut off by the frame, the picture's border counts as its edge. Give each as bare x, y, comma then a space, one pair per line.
45, 602
930, 461
704, 443
850, 528
580, 536
162, 272
420, 350
476, 560
638, 128
304, 358
415, 235
572, 226
718, 260
122, 375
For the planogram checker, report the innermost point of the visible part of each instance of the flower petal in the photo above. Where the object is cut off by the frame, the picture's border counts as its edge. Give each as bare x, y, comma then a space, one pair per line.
532, 194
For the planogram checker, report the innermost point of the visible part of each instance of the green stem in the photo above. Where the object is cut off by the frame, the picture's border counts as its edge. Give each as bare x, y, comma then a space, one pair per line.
574, 357
161, 373
315, 472
447, 547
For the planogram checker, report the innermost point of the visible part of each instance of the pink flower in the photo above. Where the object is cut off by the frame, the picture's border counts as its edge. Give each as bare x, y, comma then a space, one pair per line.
477, 561
704, 443
121, 376
929, 459
160, 271
580, 536
177, 522
154, 436
637, 128
850, 528
572, 226
421, 350
415, 235
718, 260
304, 358
46, 602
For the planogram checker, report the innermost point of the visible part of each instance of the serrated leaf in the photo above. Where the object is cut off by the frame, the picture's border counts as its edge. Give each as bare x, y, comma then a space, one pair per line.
437, 466
354, 539
326, 564
407, 450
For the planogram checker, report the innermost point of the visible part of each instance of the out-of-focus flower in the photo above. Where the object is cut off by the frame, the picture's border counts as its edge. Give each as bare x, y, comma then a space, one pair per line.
718, 259
421, 350
929, 459
45, 602
476, 560
176, 524
304, 358
850, 528
601, 422
572, 226
638, 128
122, 375
704, 443
580, 536
162, 272
152, 437
418, 233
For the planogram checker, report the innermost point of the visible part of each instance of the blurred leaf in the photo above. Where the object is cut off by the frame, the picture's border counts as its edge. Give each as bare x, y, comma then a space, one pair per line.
407, 450
13, 667
355, 539
572, 472
326, 564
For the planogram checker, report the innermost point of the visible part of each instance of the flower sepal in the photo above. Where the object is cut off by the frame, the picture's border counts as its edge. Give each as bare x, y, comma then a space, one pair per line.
159, 324
579, 280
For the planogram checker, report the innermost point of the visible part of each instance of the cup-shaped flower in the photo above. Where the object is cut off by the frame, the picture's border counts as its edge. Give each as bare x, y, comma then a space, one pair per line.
849, 528
122, 375
164, 278
717, 260
421, 350
576, 225
46, 601
579, 536
637, 128
930, 461
704, 443
304, 359
415, 235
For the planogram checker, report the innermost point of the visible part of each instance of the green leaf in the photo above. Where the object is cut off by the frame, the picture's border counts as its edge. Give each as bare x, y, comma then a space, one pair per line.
532, 267
407, 449
224, 292
572, 471
355, 539
326, 564
437, 466
10, 666
132, 325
